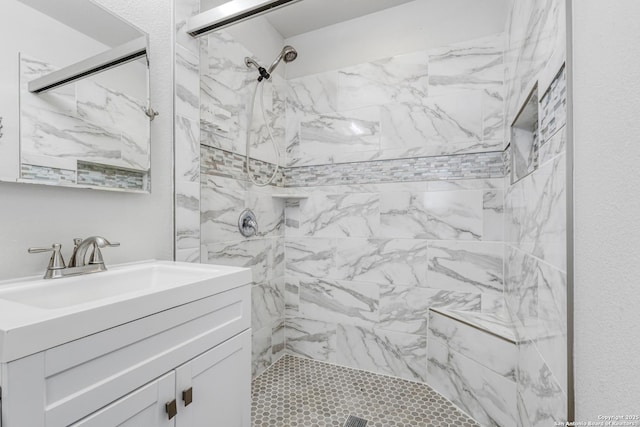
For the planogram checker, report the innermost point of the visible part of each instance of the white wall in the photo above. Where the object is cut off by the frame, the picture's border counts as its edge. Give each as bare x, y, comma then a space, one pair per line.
607, 207
414, 26
32, 215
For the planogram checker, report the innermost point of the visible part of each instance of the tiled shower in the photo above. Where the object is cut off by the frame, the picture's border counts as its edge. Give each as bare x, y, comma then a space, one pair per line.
401, 236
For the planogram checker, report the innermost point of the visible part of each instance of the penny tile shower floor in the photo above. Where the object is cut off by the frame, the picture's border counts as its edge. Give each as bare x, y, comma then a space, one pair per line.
297, 392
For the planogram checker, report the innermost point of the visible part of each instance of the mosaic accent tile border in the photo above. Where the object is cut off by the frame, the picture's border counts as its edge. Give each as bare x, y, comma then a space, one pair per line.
553, 107
47, 174
108, 176
217, 162
463, 166
303, 392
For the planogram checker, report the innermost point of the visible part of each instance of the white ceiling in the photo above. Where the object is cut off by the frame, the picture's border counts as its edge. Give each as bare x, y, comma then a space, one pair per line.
88, 18
309, 15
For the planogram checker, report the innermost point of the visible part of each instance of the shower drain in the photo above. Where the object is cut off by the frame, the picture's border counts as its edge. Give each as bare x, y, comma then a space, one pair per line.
355, 422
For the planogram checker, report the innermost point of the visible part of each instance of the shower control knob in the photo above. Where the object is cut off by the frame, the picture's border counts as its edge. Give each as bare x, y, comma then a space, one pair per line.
248, 223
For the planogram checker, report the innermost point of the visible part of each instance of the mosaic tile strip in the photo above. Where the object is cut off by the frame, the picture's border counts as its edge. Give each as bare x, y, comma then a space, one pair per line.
47, 174
462, 166
302, 392
214, 161
108, 176
553, 107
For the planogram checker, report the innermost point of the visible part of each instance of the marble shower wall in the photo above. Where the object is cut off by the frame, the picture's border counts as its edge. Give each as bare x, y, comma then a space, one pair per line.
364, 262
535, 214
223, 95
437, 102
187, 136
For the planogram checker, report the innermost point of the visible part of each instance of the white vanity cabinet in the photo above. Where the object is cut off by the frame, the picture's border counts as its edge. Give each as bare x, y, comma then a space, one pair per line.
196, 356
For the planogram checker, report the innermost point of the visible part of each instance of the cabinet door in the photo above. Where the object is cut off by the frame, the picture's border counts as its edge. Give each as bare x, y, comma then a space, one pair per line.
144, 407
218, 383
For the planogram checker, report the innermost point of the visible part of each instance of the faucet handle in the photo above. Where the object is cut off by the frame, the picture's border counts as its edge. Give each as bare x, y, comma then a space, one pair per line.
56, 262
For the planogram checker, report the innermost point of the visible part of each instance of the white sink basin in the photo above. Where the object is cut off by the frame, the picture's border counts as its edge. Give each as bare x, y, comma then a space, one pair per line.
36, 314
59, 293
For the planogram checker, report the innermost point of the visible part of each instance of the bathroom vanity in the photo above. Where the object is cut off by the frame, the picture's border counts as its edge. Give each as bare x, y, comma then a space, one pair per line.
145, 345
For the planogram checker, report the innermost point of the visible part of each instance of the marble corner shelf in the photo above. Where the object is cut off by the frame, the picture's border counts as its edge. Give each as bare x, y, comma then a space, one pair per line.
296, 196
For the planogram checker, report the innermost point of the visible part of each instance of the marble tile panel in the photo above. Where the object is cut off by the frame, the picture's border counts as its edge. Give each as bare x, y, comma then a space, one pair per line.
466, 184
382, 352
310, 257
406, 309
188, 255
485, 395
521, 290
253, 254
311, 338
278, 261
112, 109
340, 215
307, 97
398, 79
261, 353
292, 219
475, 65
536, 213
493, 114
455, 215
225, 92
187, 84
382, 261
443, 120
497, 354
314, 94
543, 399
468, 267
47, 133
51, 127
500, 324
261, 144
493, 215
269, 212
351, 303
292, 296
222, 201
187, 215
277, 341
325, 138
267, 304
187, 146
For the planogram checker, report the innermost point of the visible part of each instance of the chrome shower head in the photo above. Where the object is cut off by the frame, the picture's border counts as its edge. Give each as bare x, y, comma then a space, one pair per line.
288, 53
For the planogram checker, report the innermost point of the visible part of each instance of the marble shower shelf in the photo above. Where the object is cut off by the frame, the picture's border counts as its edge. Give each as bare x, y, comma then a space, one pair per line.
487, 322
297, 196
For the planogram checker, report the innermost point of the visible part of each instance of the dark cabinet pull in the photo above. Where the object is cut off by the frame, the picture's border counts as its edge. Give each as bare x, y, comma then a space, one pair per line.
172, 409
187, 396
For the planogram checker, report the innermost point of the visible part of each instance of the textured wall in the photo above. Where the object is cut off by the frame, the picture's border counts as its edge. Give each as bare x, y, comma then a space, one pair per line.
38, 215
606, 107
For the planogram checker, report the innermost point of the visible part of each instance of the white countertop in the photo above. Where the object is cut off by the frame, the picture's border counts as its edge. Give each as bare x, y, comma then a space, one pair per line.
29, 323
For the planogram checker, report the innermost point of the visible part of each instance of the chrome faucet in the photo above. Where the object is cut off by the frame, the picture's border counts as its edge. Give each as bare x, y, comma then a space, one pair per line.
77, 263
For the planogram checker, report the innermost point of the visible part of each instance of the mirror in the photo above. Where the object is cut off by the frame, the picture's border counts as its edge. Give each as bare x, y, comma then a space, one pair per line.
74, 97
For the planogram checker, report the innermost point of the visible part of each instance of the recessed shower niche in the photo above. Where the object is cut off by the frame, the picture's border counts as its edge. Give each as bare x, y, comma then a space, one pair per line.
524, 139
